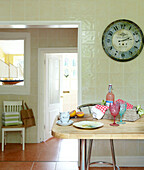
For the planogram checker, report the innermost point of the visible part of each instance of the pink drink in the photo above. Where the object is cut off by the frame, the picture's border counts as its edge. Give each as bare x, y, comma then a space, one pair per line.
114, 109
109, 96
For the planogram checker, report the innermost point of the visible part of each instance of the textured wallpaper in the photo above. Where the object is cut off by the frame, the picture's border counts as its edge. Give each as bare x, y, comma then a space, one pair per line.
98, 70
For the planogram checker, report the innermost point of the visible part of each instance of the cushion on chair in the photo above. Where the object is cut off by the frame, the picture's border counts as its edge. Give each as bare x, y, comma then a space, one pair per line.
11, 118
10, 114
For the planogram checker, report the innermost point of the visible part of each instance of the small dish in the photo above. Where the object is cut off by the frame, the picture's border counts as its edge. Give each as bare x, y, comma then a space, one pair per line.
64, 124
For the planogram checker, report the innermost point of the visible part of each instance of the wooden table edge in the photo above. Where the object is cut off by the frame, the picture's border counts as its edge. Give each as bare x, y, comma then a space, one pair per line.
119, 136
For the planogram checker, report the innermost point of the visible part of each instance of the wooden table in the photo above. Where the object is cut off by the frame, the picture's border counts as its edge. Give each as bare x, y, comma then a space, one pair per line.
130, 130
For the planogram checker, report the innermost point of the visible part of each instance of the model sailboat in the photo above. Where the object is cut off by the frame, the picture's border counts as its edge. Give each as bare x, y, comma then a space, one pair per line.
10, 74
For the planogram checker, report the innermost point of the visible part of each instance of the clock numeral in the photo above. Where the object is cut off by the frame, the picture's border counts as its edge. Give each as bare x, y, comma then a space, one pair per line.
123, 55
110, 47
137, 41
116, 52
130, 28
123, 26
130, 52
136, 47
108, 40
115, 28
110, 33
135, 33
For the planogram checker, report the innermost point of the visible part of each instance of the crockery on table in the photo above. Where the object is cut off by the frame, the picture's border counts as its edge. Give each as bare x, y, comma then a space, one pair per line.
64, 117
65, 123
88, 124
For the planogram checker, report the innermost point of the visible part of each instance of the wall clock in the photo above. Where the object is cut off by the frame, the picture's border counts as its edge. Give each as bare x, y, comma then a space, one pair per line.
122, 40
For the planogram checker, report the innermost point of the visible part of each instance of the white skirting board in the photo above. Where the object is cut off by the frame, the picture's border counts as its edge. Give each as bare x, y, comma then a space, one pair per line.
122, 161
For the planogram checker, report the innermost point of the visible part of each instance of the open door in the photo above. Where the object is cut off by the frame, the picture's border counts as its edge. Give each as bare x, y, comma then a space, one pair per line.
53, 91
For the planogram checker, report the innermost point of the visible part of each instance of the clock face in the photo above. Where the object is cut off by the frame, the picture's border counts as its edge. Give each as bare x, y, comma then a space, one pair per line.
122, 40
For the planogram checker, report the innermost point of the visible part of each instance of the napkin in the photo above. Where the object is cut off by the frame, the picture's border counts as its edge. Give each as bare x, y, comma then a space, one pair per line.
129, 106
98, 111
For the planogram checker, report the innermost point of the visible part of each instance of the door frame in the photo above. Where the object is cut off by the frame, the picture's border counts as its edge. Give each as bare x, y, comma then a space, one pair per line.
41, 84
49, 24
41, 98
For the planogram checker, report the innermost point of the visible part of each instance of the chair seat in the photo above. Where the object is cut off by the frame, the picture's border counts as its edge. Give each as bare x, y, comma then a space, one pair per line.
15, 126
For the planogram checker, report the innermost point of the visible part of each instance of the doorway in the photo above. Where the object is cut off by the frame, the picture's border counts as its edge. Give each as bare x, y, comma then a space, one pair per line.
62, 79
59, 78
69, 82
61, 86
41, 68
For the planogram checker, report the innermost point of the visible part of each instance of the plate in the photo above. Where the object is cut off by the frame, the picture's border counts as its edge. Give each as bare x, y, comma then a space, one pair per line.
64, 124
88, 124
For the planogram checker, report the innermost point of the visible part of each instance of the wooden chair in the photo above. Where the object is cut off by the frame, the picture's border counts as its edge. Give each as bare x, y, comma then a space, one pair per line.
88, 107
13, 106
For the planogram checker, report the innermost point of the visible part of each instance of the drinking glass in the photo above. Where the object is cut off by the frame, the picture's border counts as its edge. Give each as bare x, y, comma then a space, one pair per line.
123, 107
114, 109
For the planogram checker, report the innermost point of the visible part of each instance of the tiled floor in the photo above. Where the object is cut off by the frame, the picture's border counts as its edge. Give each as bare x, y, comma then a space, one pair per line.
54, 154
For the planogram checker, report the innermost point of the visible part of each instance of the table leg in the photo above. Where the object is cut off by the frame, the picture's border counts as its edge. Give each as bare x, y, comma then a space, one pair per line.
86, 152
89, 153
82, 154
113, 154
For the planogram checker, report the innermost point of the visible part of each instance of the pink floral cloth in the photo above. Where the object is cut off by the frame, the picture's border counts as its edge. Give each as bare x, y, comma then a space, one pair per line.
129, 106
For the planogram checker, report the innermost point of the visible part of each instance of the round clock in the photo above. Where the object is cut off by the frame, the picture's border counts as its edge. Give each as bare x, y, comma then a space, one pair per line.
122, 40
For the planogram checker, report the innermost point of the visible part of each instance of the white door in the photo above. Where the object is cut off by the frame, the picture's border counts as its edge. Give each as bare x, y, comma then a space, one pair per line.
50, 66
53, 91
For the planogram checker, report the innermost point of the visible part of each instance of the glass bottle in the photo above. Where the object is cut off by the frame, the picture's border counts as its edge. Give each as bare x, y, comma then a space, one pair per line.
110, 96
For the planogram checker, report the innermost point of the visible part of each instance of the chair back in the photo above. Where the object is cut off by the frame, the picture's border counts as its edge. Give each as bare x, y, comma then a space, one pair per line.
12, 106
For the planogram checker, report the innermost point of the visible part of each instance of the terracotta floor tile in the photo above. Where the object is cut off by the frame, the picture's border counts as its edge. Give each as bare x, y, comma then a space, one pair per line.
35, 147
51, 151
12, 156
50, 154
53, 154
42, 146
20, 156
44, 166
9, 147
16, 165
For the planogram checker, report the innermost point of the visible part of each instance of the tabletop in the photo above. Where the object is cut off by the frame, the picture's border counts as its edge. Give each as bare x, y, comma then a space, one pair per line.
130, 130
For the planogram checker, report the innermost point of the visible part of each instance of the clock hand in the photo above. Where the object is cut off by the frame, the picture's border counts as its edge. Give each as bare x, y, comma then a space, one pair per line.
125, 39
